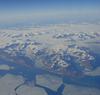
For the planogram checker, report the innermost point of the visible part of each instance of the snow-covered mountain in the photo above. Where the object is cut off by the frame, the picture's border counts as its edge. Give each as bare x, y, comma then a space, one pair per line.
56, 57
57, 48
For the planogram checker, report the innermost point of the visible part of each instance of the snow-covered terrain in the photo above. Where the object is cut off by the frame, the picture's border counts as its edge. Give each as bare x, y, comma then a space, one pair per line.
60, 49
58, 40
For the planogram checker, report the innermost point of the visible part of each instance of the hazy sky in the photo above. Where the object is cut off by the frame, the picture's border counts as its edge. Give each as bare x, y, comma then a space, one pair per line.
48, 10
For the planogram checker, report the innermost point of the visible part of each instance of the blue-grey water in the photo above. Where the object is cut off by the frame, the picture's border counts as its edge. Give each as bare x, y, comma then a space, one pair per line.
29, 72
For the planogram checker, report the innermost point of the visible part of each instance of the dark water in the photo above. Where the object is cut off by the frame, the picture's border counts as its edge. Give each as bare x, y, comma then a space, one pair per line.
29, 73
